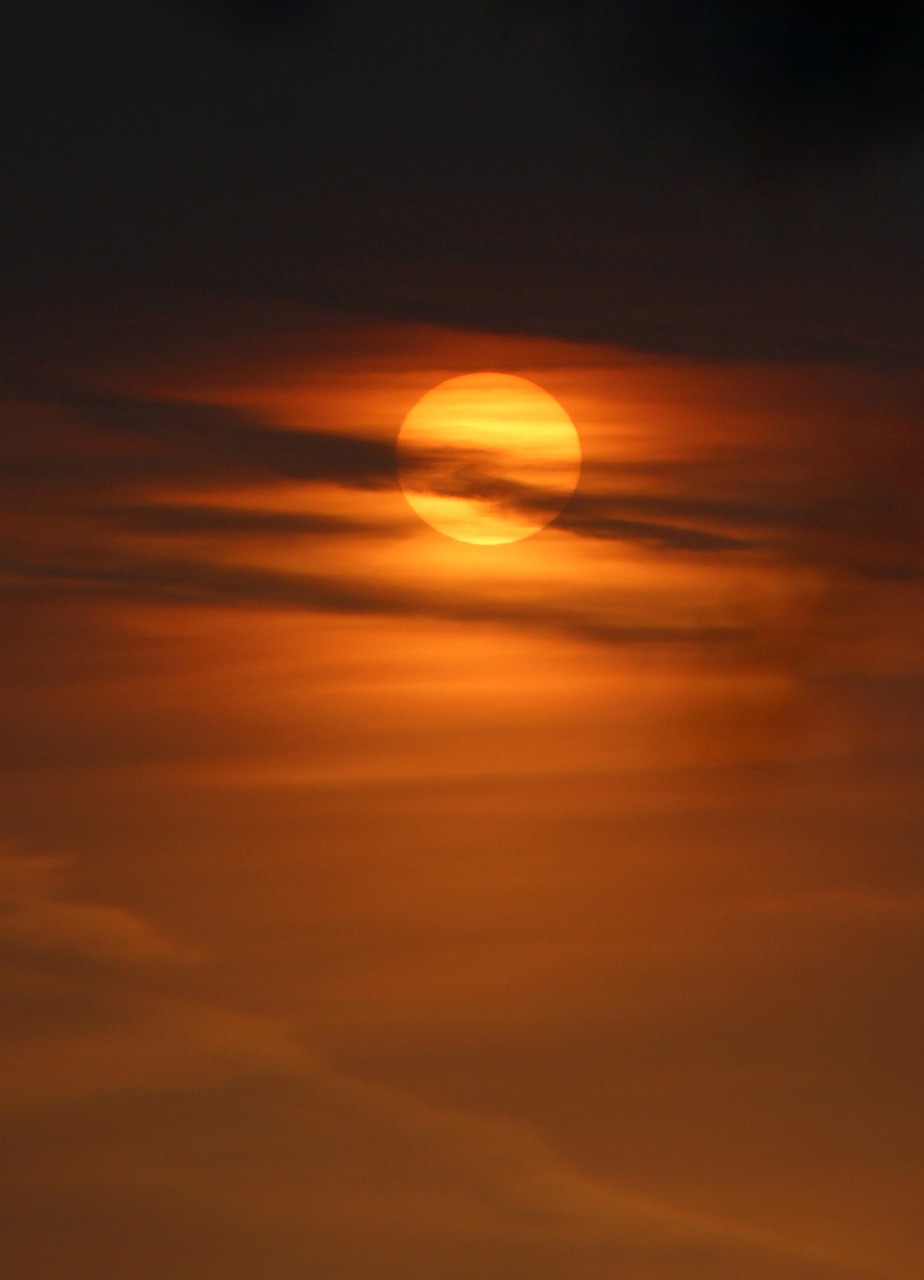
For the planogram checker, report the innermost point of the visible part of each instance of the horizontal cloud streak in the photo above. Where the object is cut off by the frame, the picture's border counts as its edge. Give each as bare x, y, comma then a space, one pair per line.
233, 443
228, 441
864, 526
185, 519
199, 582
601, 518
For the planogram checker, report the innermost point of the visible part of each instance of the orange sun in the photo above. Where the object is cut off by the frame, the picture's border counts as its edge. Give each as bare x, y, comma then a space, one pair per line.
488, 458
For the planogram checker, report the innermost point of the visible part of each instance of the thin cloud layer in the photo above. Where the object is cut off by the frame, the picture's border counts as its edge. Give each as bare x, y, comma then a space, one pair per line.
190, 582
684, 510
177, 519
229, 444
170, 1096
37, 922
225, 445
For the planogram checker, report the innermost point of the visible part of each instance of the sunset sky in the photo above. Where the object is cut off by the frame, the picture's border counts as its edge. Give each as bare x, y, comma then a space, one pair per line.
377, 905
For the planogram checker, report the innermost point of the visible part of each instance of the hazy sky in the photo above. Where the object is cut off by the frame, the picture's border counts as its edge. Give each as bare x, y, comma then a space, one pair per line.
374, 904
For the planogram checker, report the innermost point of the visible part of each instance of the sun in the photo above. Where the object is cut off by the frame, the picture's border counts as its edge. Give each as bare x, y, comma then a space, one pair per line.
488, 458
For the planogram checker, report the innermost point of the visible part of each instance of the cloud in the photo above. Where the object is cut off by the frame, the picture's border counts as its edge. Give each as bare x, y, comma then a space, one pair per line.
285, 1143
852, 527
139, 443
86, 932
602, 519
176, 519
85, 1012
188, 581
223, 444
478, 476
230, 1113
586, 517
35, 920
226, 443
138, 1092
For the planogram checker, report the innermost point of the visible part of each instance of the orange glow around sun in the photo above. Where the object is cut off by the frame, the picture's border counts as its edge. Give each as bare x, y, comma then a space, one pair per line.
488, 458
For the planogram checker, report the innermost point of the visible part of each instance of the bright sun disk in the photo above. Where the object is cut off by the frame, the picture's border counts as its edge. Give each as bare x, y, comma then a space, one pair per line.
488, 458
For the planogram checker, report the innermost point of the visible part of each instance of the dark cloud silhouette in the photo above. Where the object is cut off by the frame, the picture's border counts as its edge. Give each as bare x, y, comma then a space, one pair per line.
225, 442
474, 476
684, 515
872, 528
221, 443
586, 518
865, 523
190, 519
595, 519
191, 581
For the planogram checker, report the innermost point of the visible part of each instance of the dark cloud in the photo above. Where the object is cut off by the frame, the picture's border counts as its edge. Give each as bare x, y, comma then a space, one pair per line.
596, 519
866, 522
186, 442
223, 442
876, 535
190, 581
191, 519
230, 440
683, 515
866, 528
474, 476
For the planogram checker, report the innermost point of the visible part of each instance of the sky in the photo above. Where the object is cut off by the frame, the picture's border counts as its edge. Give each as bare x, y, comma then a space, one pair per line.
377, 904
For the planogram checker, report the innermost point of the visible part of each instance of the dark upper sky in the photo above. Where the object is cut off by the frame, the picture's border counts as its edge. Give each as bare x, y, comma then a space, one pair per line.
728, 179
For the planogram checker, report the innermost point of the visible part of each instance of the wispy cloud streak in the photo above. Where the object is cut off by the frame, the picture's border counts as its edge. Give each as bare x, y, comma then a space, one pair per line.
200, 582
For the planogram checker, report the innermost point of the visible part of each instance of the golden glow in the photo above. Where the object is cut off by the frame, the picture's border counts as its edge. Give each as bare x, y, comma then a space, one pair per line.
551, 845
488, 458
